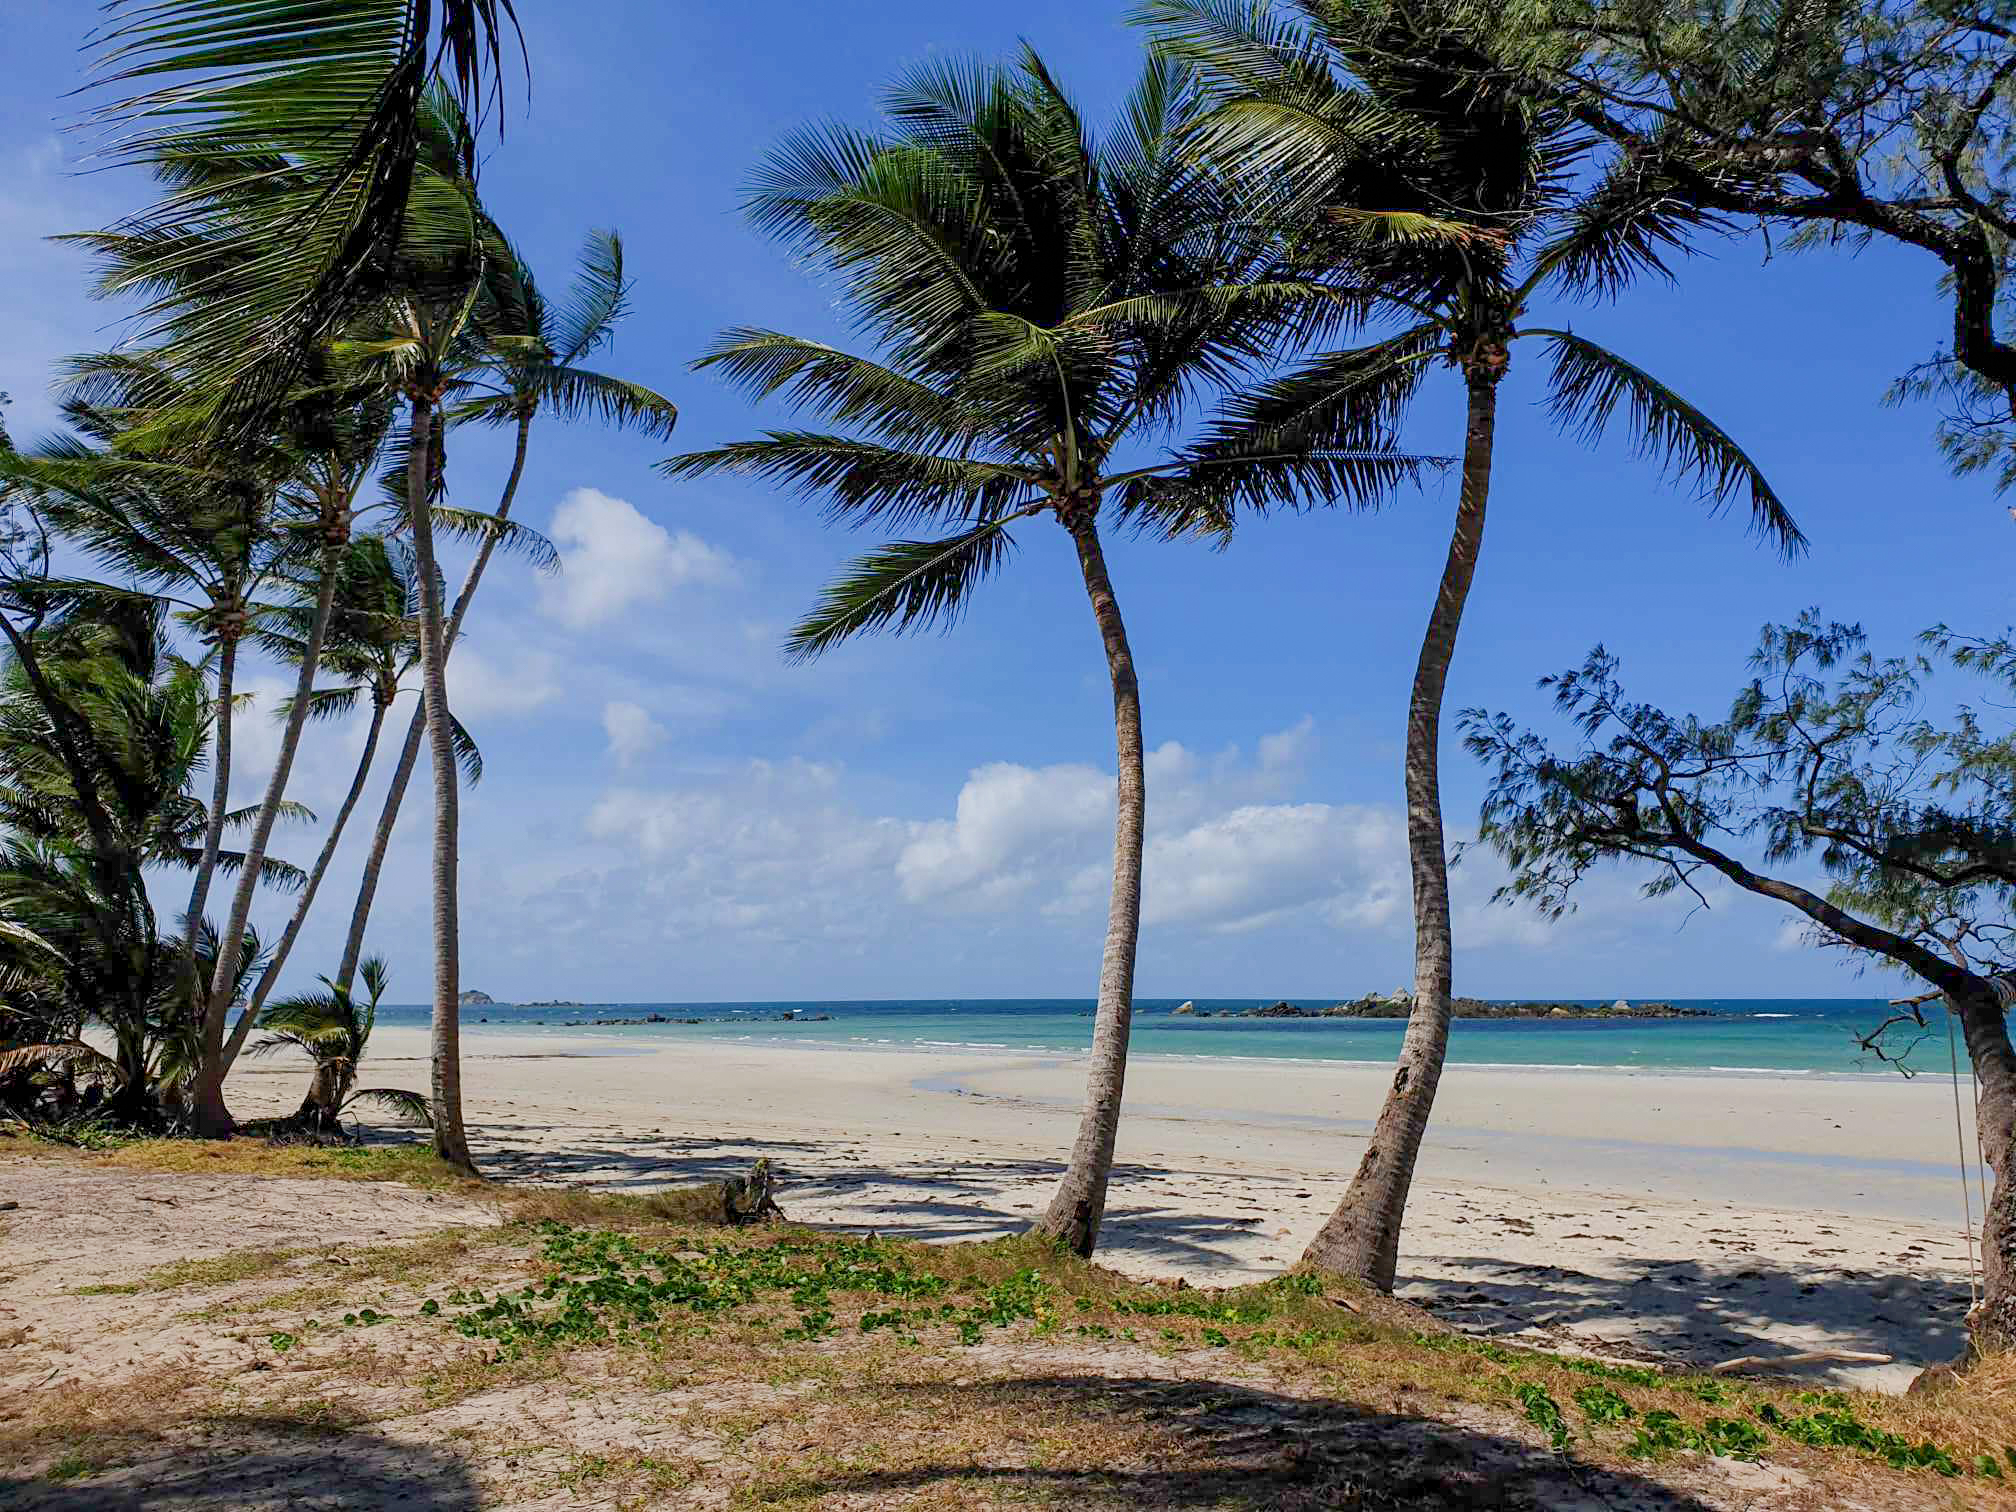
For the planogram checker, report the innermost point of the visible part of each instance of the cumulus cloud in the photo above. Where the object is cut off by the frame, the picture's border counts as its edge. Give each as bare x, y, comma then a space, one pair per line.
784, 871
1260, 861
614, 559
479, 687
1011, 825
632, 731
1215, 858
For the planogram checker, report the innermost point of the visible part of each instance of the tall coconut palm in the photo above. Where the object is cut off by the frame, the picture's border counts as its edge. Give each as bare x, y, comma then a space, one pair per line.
425, 331
1365, 133
76, 941
528, 360
1041, 300
371, 644
340, 93
203, 538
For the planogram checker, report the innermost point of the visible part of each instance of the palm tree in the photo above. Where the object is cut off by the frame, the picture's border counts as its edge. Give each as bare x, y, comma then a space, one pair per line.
333, 1027
1041, 300
1369, 135
529, 361
318, 113
80, 945
371, 644
202, 539
426, 332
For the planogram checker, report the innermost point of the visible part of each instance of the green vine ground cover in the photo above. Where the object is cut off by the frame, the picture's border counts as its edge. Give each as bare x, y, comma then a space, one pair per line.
602, 1286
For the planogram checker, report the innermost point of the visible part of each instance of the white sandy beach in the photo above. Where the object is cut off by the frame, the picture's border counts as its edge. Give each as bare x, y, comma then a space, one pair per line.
1667, 1216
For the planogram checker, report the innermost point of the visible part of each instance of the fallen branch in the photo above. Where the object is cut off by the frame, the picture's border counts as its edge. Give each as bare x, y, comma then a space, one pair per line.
1808, 1357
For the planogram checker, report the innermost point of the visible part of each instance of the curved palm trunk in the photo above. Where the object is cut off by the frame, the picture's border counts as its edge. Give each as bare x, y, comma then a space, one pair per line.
1362, 1238
409, 753
271, 975
319, 1110
220, 798
1074, 1214
451, 1141
212, 1118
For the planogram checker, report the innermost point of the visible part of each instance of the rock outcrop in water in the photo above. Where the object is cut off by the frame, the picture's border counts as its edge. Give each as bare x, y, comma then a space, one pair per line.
1399, 1005
475, 999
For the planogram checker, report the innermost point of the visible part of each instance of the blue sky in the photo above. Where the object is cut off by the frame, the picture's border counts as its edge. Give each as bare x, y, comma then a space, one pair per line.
672, 813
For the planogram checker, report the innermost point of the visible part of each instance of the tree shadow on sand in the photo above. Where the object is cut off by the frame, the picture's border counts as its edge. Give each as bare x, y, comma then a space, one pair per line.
928, 1200
274, 1464
1702, 1311
1224, 1446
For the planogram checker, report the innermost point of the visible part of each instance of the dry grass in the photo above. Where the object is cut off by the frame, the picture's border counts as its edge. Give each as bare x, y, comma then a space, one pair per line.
1102, 1393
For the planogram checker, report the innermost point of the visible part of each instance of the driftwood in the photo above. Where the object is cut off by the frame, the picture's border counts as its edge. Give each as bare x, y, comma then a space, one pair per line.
746, 1199
1808, 1357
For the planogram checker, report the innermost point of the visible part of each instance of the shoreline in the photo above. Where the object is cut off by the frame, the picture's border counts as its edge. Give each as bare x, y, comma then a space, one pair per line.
1681, 1217
634, 1042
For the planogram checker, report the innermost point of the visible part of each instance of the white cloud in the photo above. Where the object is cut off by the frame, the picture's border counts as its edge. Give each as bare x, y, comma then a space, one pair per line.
1215, 858
1010, 826
479, 687
1260, 861
631, 730
614, 559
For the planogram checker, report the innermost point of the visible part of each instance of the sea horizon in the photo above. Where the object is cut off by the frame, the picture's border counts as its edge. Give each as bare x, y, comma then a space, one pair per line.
1736, 1037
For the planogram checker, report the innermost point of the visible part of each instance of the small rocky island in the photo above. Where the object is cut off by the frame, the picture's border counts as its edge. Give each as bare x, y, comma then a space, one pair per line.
475, 999
1397, 1005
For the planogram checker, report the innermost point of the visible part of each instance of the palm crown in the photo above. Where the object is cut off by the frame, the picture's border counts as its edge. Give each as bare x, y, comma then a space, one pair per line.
1041, 299
1448, 210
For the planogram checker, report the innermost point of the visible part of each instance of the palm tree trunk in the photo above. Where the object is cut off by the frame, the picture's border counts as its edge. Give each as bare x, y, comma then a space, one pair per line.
271, 974
1074, 1214
1362, 1238
319, 1108
220, 797
212, 1118
409, 754
451, 1141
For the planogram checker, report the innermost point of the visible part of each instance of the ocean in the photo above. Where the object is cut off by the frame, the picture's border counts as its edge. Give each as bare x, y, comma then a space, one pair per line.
1743, 1036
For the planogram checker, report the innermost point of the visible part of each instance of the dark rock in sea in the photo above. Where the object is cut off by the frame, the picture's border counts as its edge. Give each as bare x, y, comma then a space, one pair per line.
1398, 1007
1279, 1010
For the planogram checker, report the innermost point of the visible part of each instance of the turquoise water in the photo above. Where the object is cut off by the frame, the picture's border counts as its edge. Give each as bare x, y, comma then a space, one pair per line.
1744, 1037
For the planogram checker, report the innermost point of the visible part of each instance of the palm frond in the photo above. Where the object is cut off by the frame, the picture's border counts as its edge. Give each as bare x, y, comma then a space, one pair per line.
907, 585
596, 301
842, 388
467, 754
576, 393
307, 120
509, 535
1588, 383
73, 1053
411, 1105
861, 480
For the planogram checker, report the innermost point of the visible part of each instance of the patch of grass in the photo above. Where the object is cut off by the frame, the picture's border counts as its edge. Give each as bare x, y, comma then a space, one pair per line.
1835, 1423
412, 1163
109, 1289
72, 1466
215, 1270
632, 1479
682, 1207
